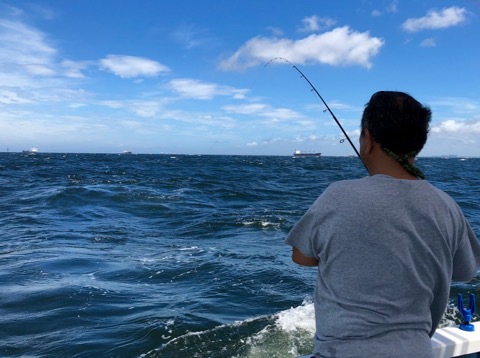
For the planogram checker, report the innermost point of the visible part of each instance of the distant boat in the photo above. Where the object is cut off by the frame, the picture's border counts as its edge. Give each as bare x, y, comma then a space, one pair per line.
299, 153
31, 150
127, 152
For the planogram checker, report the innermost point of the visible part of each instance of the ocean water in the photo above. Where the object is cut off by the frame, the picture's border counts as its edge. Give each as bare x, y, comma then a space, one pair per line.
170, 256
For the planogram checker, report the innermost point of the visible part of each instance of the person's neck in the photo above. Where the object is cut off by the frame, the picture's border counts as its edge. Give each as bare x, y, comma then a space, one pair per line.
383, 164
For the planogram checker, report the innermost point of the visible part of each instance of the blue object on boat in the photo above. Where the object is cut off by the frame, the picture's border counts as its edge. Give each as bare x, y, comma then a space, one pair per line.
467, 314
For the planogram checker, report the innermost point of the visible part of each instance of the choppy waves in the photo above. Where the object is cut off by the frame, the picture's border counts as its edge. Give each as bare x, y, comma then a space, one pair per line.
154, 256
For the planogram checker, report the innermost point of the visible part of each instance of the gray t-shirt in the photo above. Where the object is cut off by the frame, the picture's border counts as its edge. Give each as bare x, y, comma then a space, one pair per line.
387, 250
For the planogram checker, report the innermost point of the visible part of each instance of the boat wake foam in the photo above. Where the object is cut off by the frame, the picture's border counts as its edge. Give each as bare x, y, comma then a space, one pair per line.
285, 334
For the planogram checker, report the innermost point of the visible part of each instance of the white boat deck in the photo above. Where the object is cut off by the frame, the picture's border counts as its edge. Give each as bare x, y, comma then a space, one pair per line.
453, 342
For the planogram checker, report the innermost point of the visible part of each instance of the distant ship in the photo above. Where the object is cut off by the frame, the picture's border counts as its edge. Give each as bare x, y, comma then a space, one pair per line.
299, 153
127, 152
31, 150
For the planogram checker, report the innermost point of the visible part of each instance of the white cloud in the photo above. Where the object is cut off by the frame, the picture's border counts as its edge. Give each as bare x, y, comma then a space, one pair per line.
192, 36
263, 110
132, 66
25, 53
10, 96
458, 127
447, 17
454, 136
112, 104
430, 42
393, 7
281, 114
76, 105
344, 106
146, 109
249, 108
30, 65
272, 117
142, 108
339, 47
190, 88
39, 69
43, 11
463, 106
24, 49
73, 69
315, 23
275, 31
390, 8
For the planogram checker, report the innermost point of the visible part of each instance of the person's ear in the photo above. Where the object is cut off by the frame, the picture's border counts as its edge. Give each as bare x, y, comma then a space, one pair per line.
368, 141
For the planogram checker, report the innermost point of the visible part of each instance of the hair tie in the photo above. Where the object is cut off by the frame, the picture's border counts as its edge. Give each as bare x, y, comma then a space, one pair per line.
404, 162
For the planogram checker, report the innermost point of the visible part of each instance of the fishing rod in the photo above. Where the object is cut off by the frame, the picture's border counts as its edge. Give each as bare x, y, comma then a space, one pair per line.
323, 101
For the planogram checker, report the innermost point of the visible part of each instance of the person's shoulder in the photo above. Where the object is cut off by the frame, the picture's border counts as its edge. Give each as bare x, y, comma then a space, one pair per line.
441, 193
344, 186
348, 183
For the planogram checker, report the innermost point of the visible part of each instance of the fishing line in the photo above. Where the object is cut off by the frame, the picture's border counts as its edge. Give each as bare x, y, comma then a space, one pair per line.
323, 101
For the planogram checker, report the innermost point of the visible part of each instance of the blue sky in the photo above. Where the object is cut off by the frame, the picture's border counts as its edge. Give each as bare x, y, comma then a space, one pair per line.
189, 76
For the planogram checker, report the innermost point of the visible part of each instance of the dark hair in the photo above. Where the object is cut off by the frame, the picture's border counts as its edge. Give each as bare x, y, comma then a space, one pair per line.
398, 122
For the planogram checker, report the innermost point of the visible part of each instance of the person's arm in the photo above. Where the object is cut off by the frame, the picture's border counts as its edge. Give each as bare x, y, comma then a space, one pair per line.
466, 261
301, 259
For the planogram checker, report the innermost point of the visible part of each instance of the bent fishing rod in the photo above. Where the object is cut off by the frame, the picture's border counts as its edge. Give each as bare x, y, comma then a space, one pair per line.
323, 101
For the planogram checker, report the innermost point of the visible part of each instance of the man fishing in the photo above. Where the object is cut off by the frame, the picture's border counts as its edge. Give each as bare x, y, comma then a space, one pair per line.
387, 246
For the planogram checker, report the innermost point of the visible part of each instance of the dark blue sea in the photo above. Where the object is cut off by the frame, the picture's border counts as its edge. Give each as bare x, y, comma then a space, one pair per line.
105, 255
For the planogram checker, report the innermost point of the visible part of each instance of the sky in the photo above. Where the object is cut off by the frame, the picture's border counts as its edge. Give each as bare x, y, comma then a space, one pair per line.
201, 77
